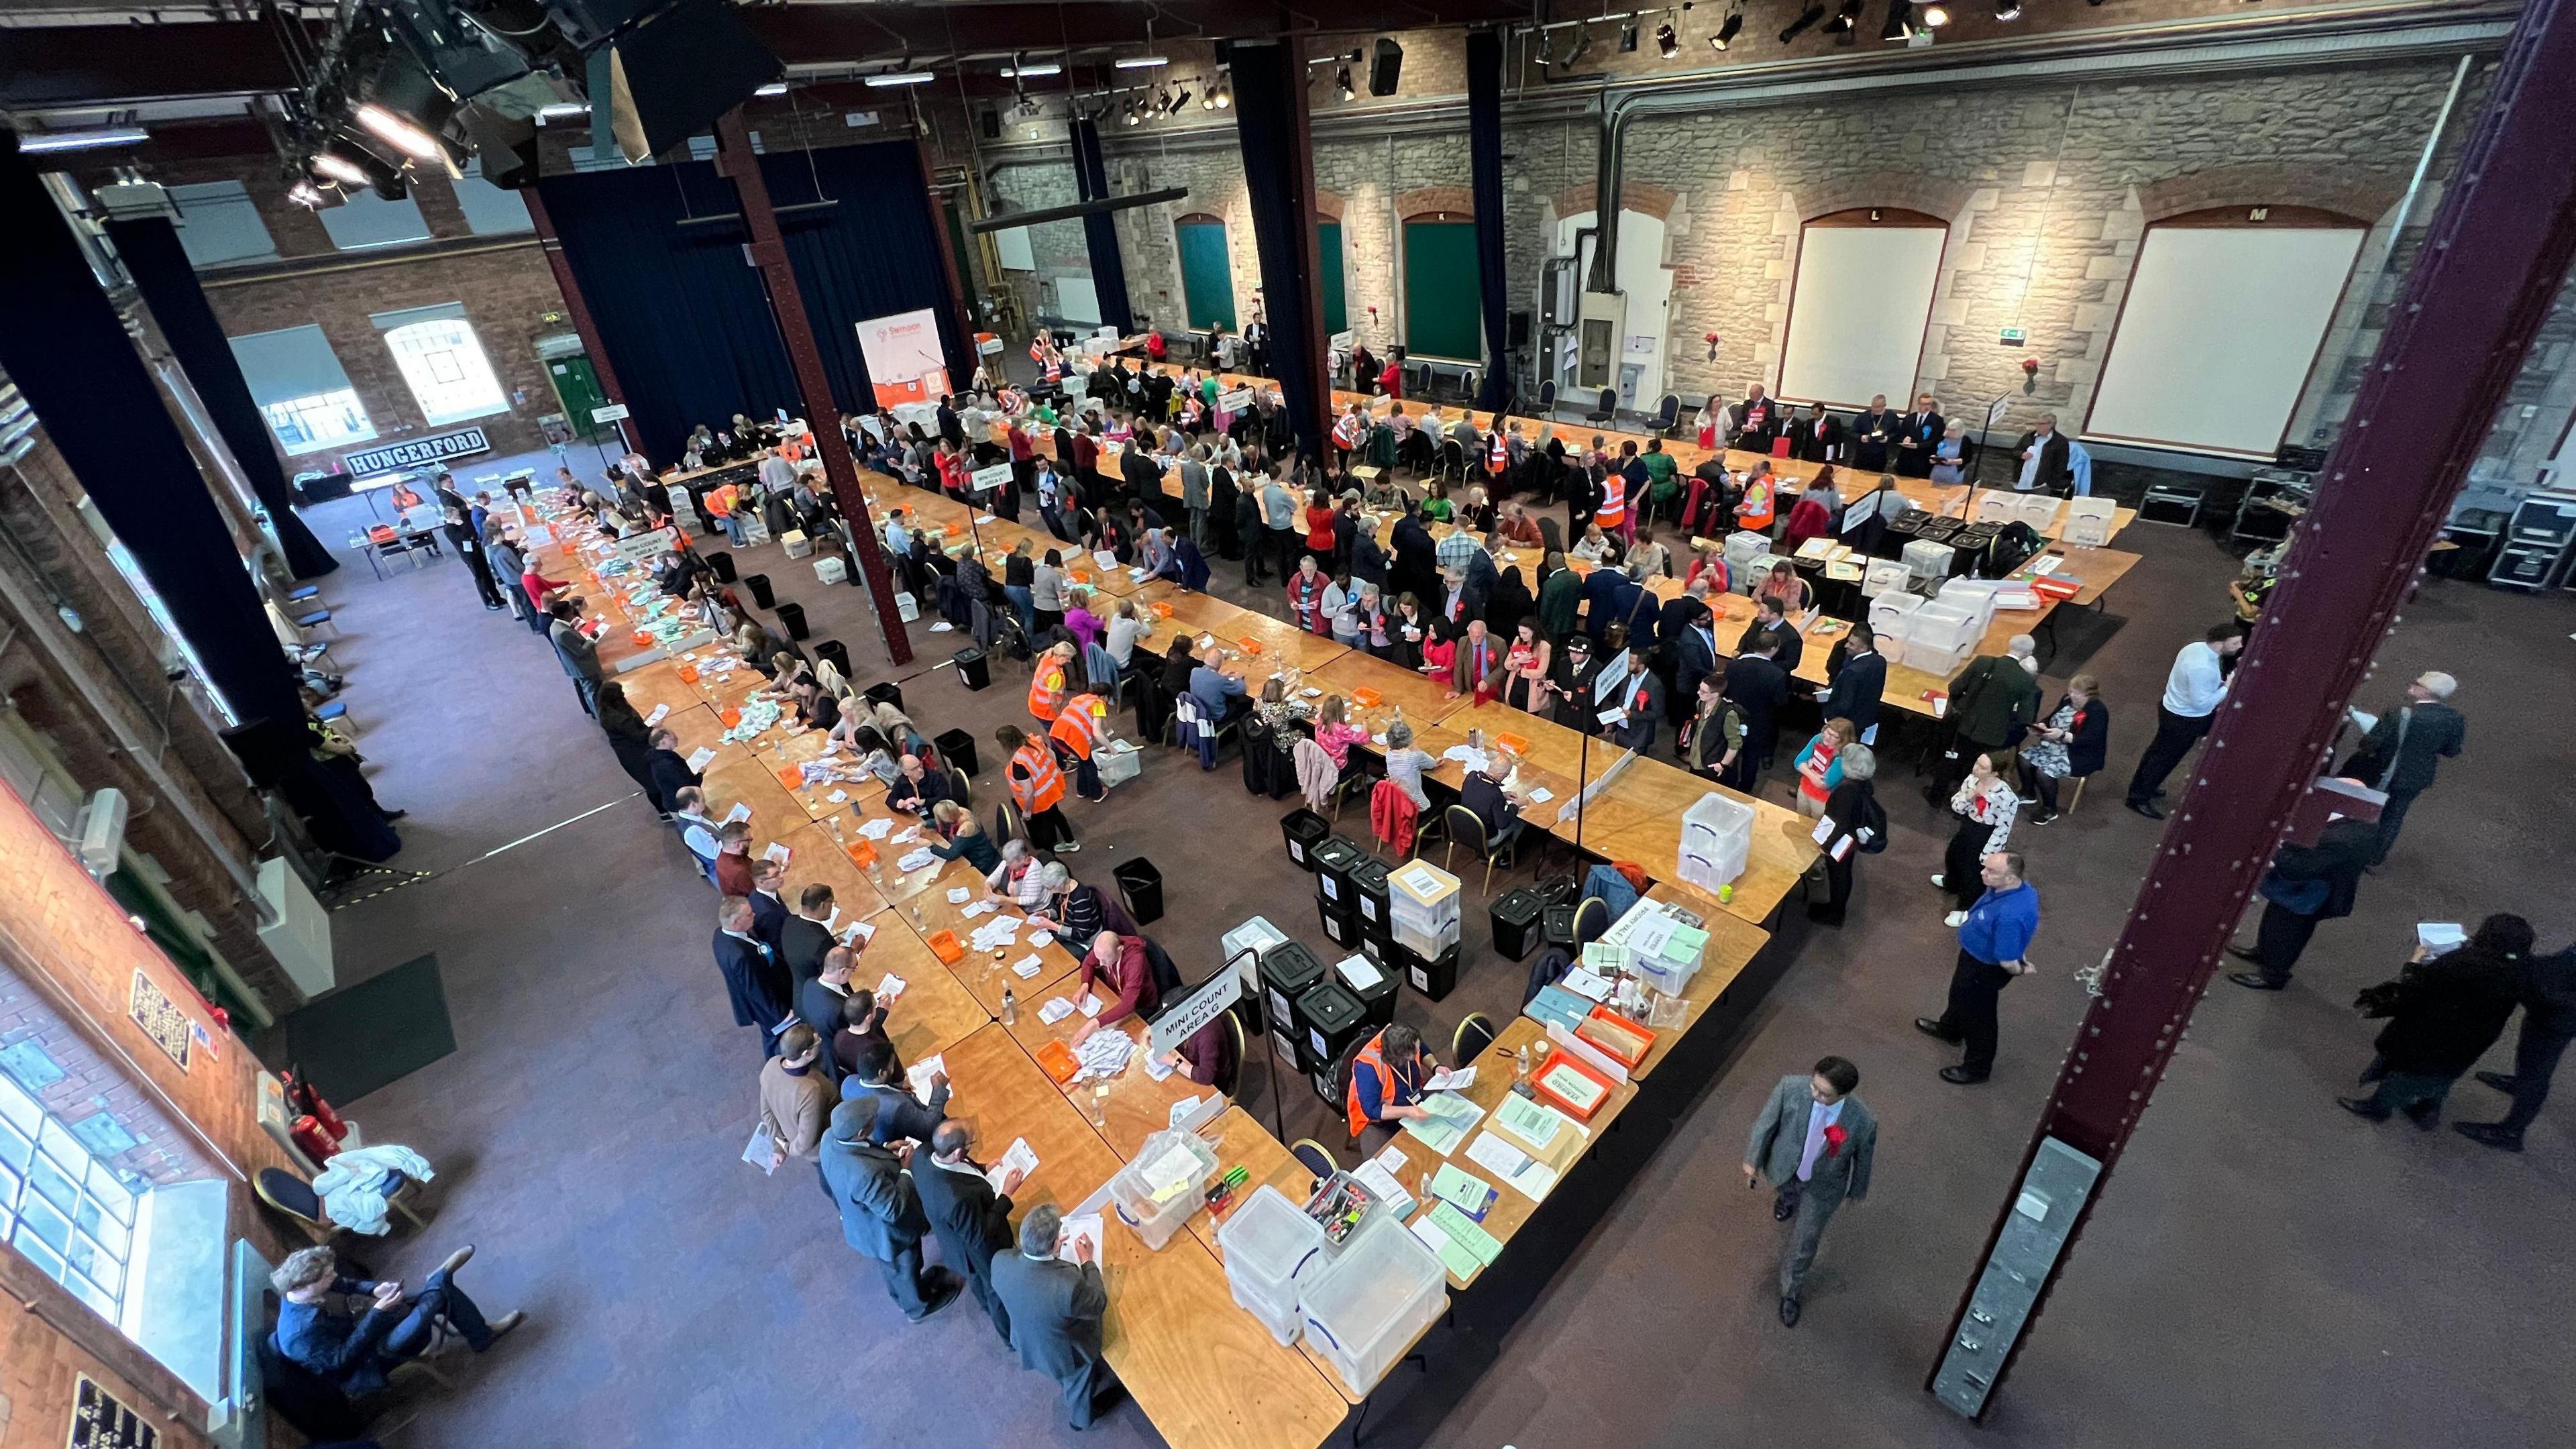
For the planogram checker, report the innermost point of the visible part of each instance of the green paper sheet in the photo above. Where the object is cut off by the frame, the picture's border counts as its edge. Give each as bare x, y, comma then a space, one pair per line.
1465, 1191
1463, 1232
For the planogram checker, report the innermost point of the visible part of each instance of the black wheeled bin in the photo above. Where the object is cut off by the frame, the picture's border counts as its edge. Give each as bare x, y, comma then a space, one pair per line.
835, 653
758, 587
972, 669
888, 692
1329, 1020
720, 564
1288, 972
957, 747
791, 617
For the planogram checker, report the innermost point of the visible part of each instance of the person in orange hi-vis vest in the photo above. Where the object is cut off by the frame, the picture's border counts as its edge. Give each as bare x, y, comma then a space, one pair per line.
1078, 733
1755, 513
1383, 1095
1037, 787
1050, 683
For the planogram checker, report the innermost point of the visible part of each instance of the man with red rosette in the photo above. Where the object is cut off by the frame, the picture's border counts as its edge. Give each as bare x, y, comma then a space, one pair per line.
1814, 1140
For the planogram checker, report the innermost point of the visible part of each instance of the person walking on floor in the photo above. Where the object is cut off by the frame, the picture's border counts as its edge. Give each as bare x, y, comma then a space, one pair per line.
1859, 827
1055, 1308
1037, 787
2194, 689
1814, 1140
881, 1215
1994, 947
2306, 884
2443, 1012
2548, 994
2404, 747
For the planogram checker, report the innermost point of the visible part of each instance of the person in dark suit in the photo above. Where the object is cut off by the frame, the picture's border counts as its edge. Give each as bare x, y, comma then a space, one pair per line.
971, 1216
2547, 991
881, 1215
1693, 647
1758, 685
2042, 458
1641, 695
1814, 1139
2306, 884
1873, 436
803, 938
2404, 748
819, 998
1817, 436
1771, 623
1917, 436
1856, 675
769, 911
1055, 1312
878, 1077
668, 771
1754, 422
753, 978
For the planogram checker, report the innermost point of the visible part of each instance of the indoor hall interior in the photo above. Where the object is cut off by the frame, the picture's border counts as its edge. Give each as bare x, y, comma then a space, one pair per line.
2205, 367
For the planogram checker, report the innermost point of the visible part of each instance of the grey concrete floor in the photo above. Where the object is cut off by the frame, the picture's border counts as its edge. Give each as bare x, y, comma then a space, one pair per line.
2264, 1269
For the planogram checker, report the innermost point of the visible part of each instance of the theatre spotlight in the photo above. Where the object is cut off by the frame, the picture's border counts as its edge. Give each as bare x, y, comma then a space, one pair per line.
1727, 30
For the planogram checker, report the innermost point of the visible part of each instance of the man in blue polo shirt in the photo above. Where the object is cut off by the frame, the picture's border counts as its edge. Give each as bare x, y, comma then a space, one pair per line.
1994, 943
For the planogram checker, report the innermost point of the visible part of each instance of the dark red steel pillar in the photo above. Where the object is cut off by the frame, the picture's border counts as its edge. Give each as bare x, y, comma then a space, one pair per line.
735, 158
578, 309
2495, 255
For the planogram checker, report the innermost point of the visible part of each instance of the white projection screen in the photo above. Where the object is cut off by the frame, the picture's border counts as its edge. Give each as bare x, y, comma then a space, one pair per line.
2217, 333
1858, 311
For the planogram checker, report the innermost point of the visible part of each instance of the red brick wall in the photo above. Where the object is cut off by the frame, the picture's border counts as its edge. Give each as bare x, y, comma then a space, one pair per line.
40, 1372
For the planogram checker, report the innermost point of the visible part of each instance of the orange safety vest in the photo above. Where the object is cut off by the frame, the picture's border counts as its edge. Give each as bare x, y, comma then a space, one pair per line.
1614, 502
1497, 456
1079, 728
1376, 1058
1046, 691
1754, 513
1043, 786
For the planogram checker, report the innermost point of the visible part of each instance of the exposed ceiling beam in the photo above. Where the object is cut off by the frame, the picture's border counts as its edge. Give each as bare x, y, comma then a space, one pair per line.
43, 67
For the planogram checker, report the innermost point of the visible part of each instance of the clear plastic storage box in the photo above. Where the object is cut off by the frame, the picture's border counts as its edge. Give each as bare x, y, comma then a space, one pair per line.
1364, 1309
1928, 560
1269, 1245
1717, 837
1156, 1193
1422, 908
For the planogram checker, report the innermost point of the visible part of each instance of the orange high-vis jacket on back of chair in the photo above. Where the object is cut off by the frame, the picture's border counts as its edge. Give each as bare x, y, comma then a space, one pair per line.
1080, 728
1046, 689
1036, 782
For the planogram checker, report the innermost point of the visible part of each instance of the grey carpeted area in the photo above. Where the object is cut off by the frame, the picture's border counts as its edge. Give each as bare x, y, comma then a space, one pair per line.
2265, 1269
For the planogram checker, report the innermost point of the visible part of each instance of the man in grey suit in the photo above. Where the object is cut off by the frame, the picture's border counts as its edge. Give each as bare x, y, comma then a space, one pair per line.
881, 1216
1813, 1140
971, 1215
1055, 1310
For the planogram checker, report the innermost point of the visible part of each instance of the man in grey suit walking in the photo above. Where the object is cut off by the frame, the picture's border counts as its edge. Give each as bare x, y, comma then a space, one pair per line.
1813, 1140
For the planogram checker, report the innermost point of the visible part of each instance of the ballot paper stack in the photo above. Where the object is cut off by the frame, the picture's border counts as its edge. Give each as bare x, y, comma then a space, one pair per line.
757, 716
1103, 1054
998, 934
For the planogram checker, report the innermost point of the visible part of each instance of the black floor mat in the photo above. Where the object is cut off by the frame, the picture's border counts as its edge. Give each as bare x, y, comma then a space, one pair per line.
381, 1030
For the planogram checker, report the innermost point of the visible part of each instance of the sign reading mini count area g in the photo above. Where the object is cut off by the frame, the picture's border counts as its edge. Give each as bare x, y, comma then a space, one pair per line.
1202, 1004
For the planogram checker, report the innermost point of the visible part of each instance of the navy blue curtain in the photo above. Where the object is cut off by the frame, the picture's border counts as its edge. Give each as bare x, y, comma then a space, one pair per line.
1485, 168
149, 247
679, 307
1279, 174
61, 343
873, 254
1100, 229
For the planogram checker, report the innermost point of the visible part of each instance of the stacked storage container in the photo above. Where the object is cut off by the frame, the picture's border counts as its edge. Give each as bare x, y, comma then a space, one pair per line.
1269, 1245
1422, 919
1157, 1193
1717, 838
1363, 1309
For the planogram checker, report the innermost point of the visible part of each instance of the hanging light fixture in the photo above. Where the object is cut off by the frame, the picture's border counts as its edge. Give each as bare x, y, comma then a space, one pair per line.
1900, 21
397, 132
2007, 9
1846, 21
1342, 83
1935, 16
1628, 36
1727, 30
1668, 40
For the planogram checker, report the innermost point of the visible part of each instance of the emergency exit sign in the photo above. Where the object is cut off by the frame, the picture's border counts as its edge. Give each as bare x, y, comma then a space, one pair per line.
2014, 337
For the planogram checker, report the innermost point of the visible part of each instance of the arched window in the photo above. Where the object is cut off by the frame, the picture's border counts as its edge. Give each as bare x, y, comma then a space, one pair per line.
1860, 305
444, 364
2220, 327
1207, 273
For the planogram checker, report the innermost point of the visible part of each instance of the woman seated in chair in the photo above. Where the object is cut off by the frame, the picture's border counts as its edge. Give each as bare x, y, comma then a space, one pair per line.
1387, 1080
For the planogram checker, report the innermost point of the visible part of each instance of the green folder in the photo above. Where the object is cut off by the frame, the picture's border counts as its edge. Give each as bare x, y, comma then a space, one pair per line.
1464, 1233
1465, 1191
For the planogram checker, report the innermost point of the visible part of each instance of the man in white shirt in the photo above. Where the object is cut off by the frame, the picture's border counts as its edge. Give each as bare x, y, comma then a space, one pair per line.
2192, 694
1814, 1140
2043, 457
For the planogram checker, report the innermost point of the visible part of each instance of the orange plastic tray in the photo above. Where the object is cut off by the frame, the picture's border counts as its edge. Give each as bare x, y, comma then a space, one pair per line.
1057, 1059
1517, 744
1367, 698
730, 715
791, 778
1249, 646
1161, 609
945, 946
1580, 1105
1616, 1035
688, 674
863, 854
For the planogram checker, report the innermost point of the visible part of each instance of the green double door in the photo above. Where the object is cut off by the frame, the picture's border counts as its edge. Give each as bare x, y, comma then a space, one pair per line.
1442, 309
1207, 274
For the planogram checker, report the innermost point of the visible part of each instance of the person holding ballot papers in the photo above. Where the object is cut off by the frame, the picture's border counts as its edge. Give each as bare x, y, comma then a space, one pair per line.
970, 1211
1053, 1294
1388, 1078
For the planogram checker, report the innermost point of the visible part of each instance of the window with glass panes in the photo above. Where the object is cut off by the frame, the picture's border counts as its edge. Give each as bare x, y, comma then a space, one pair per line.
62, 1208
448, 373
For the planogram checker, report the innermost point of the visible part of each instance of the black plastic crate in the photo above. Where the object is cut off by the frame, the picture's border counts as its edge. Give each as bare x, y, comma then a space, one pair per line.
1328, 1021
1341, 927
1518, 917
1304, 830
1434, 977
1335, 861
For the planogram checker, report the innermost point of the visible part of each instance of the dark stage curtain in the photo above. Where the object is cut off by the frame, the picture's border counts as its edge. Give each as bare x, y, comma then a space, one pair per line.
61, 343
873, 254
1279, 175
1485, 166
680, 310
150, 249
1100, 229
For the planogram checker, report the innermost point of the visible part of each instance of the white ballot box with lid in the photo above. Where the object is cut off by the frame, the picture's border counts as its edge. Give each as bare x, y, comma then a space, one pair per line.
1269, 1244
1365, 1307
1422, 908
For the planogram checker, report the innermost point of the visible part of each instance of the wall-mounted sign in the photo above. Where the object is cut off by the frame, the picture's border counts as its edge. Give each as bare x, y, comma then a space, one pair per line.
99, 1421
609, 414
160, 1018
414, 452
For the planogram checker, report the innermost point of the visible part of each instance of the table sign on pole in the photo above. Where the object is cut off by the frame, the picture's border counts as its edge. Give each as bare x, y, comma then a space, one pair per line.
985, 480
609, 414
1190, 1015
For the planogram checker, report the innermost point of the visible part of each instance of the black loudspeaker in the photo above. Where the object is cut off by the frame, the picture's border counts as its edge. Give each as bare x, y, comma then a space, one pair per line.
266, 748
991, 122
673, 76
1518, 331
506, 146
1384, 67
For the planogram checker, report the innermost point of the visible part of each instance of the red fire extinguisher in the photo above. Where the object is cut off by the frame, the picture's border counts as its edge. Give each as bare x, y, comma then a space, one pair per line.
317, 1129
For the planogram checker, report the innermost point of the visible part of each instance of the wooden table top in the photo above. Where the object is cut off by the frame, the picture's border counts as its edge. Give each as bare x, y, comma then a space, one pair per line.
1438, 740
1135, 1106
982, 974
935, 1011
743, 778
1494, 1076
1204, 1371
1241, 1141
1424, 700
1282, 643
815, 858
1639, 818
1732, 945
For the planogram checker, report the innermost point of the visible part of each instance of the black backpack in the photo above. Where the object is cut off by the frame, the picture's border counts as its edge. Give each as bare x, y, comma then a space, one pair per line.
1873, 819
